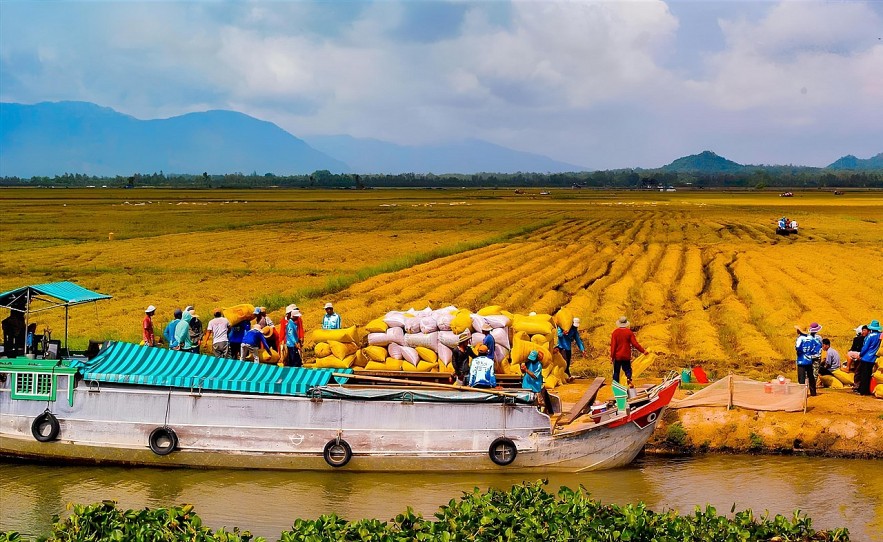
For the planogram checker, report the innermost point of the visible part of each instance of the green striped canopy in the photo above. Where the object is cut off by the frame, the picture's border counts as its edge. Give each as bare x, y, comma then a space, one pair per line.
133, 364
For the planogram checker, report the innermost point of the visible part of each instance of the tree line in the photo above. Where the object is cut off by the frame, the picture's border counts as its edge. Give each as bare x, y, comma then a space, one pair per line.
760, 178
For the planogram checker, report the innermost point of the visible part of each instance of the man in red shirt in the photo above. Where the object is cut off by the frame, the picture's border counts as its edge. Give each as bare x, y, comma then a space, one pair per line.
621, 342
147, 327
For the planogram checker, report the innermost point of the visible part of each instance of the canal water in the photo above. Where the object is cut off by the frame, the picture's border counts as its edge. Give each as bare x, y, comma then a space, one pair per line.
833, 492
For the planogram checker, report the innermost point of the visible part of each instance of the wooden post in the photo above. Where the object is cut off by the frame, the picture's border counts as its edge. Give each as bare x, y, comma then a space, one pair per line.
730, 386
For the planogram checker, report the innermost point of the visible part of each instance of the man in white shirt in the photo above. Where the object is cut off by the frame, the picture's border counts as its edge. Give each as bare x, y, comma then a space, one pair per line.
219, 326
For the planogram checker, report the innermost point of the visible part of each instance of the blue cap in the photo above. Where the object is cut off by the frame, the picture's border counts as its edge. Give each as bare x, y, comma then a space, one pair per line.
532, 356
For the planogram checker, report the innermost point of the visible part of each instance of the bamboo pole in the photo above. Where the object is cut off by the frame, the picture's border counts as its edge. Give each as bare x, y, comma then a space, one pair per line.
424, 384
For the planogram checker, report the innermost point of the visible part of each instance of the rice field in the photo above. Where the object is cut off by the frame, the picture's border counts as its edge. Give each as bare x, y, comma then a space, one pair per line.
701, 275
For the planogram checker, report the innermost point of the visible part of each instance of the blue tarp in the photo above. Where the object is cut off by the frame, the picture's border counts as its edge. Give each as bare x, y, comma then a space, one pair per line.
67, 293
142, 365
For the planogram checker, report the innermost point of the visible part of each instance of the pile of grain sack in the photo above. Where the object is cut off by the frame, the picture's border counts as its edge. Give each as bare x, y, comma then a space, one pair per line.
423, 341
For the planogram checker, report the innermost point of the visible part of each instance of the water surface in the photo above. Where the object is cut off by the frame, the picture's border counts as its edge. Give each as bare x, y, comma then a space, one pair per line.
834, 492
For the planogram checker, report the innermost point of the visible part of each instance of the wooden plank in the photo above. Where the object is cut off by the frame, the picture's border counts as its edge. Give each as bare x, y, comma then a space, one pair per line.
584, 403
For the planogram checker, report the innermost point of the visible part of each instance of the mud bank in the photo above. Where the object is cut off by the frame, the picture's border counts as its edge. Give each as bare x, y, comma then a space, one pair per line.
837, 423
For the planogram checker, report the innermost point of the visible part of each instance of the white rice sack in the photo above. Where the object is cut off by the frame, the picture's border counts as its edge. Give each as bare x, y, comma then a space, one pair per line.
477, 339
445, 354
428, 325
443, 321
427, 340
395, 351
396, 335
412, 325
379, 339
410, 355
478, 321
497, 321
425, 312
500, 353
394, 319
501, 337
448, 338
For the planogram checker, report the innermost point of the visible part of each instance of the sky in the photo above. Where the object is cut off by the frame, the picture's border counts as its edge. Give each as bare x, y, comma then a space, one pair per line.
600, 84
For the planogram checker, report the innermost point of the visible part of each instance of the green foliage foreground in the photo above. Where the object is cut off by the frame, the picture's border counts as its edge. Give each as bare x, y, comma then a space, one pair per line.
525, 512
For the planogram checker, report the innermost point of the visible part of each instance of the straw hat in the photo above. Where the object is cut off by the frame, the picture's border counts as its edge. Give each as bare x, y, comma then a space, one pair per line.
267, 331
486, 327
290, 308
463, 337
329, 306
623, 322
150, 308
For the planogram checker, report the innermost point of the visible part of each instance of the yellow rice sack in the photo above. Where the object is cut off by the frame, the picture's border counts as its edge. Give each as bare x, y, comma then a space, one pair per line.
844, 377
376, 326
269, 357
521, 349
426, 354
550, 382
345, 335
639, 365
322, 350
533, 325
421, 367
461, 322
375, 353
376, 366
332, 362
539, 339
829, 381
490, 310
361, 359
878, 376
564, 319
342, 350
393, 364
238, 313
878, 392
448, 369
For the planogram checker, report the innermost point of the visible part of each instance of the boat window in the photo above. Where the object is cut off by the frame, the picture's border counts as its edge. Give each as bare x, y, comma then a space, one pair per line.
33, 386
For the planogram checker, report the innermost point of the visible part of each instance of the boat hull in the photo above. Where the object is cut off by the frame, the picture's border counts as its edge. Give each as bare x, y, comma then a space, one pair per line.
227, 430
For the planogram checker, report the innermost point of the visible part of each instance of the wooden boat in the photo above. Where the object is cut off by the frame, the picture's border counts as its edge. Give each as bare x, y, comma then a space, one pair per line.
149, 406
137, 405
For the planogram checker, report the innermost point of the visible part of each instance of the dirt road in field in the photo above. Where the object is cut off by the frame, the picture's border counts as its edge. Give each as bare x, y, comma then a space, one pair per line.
837, 423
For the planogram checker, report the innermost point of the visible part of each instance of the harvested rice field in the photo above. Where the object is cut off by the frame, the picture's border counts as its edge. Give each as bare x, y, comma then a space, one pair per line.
701, 275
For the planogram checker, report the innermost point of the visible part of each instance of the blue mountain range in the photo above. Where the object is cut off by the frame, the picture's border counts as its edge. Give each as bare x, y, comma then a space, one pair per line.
53, 138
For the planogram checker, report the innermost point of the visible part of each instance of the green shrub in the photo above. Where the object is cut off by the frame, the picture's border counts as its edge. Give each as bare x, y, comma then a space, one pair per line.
675, 435
526, 512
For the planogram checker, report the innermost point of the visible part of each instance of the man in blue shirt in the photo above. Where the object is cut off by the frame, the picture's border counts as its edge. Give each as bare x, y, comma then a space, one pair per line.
809, 351
252, 343
292, 340
532, 379
331, 320
868, 357
169, 331
565, 344
481, 370
488, 340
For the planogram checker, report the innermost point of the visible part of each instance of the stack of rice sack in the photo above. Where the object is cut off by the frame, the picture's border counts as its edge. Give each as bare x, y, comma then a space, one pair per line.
335, 348
538, 332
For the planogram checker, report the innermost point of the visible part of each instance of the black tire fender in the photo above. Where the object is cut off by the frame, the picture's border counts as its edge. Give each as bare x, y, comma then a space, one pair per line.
502, 451
337, 453
45, 427
162, 440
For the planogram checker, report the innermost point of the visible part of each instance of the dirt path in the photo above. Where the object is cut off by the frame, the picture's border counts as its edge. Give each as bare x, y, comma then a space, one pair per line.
837, 423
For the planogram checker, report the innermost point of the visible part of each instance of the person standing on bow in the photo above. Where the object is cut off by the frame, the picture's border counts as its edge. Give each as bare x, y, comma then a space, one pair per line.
147, 327
809, 353
566, 342
621, 342
461, 357
331, 320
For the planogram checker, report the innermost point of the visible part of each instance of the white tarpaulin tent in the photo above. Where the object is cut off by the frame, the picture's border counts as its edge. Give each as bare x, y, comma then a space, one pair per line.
739, 391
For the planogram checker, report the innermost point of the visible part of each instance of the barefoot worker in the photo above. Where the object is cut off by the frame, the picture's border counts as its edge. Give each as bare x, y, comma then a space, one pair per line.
621, 342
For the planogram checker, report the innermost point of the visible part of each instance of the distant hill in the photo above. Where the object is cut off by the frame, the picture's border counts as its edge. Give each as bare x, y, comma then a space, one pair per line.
850, 162
469, 156
49, 139
704, 162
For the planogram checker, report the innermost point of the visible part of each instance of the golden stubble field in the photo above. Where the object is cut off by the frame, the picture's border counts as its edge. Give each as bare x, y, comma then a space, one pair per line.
702, 275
